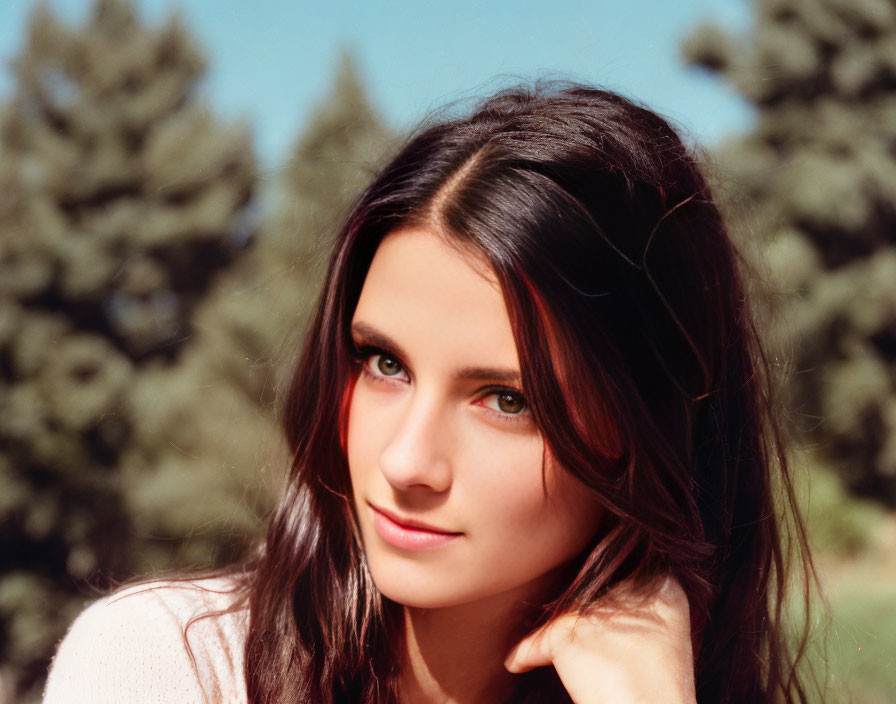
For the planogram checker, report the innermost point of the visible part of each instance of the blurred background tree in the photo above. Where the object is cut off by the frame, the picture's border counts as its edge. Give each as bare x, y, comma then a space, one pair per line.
121, 198
259, 310
148, 294
815, 184
811, 191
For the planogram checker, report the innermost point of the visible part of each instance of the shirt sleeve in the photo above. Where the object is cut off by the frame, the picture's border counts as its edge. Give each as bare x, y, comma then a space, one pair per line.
129, 649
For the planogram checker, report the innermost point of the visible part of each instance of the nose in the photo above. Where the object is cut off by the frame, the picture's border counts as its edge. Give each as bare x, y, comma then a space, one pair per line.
418, 455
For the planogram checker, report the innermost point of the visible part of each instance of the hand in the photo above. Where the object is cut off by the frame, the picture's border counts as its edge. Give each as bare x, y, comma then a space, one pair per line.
627, 650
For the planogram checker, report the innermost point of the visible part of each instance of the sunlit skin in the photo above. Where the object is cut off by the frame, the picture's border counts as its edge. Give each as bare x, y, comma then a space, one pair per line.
465, 517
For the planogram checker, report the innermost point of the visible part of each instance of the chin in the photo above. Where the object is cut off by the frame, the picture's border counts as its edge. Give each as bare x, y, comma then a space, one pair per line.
423, 591
417, 600
417, 587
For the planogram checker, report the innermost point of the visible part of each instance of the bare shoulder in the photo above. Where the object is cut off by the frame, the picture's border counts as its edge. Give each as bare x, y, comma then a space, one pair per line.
158, 641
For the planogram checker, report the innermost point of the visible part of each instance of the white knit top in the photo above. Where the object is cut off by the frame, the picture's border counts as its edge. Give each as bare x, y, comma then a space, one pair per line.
129, 648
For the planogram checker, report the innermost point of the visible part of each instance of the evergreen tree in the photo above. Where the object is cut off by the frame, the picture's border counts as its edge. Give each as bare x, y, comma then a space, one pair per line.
121, 197
250, 329
221, 438
816, 181
259, 311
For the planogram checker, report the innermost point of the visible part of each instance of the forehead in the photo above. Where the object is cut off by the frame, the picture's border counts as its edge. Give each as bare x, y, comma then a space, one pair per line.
427, 290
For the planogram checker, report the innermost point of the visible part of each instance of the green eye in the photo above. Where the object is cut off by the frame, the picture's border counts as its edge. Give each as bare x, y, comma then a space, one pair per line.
388, 366
511, 403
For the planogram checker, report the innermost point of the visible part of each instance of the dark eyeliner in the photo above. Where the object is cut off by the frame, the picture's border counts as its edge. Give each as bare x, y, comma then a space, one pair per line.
361, 352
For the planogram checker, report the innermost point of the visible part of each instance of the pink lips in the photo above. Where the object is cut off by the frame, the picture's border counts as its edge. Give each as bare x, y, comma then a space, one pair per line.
407, 534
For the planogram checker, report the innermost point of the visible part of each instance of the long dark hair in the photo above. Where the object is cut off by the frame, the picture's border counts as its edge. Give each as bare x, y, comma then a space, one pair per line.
641, 362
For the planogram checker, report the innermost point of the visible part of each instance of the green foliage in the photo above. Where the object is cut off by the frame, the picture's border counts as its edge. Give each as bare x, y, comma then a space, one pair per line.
811, 190
144, 314
251, 324
254, 321
815, 182
840, 525
121, 198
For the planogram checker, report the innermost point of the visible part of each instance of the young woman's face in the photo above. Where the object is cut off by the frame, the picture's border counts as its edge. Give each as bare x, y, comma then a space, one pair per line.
456, 498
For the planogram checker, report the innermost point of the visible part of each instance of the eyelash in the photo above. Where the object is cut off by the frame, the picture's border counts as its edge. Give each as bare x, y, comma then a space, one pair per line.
362, 354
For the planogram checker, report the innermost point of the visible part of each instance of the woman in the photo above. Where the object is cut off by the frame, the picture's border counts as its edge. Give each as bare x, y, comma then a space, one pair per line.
533, 447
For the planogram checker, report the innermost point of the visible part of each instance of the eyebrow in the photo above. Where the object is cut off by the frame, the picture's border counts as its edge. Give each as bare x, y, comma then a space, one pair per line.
371, 335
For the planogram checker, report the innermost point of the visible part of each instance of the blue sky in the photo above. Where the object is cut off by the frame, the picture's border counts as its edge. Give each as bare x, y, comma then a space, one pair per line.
272, 61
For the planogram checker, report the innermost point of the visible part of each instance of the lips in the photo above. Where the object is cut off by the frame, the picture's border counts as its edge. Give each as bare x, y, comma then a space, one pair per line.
411, 523
407, 533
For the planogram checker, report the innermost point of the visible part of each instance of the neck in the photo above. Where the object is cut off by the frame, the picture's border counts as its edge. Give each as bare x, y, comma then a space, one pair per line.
456, 655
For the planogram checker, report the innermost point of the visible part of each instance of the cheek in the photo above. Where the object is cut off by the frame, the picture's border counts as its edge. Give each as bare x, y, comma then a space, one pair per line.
520, 489
501, 467
542, 517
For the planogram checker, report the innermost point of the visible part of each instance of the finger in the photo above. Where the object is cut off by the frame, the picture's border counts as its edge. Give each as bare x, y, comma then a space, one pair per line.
532, 651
